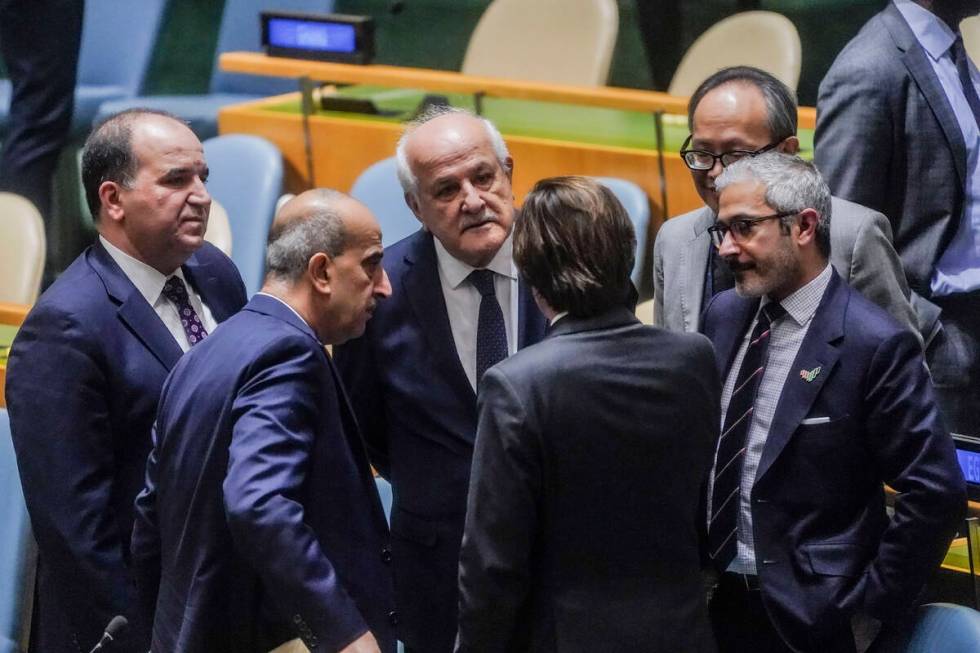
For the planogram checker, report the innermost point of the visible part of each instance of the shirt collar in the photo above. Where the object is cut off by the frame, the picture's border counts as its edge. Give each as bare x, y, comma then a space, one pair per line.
148, 280
456, 271
284, 303
930, 31
802, 304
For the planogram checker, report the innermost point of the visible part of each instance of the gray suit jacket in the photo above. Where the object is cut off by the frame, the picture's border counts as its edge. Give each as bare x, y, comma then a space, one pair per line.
888, 139
861, 252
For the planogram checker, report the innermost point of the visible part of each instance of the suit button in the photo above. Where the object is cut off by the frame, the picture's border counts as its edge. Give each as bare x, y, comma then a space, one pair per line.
386, 555
393, 618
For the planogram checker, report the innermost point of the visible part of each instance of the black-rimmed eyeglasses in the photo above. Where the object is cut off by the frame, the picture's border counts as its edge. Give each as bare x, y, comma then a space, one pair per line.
741, 228
704, 160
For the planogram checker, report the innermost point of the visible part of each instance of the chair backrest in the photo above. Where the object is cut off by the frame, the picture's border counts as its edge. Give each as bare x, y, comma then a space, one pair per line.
938, 627
17, 550
22, 250
634, 199
219, 229
241, 31
559, 41
117, 42
378, 188
762, 39
970, 29
246, 179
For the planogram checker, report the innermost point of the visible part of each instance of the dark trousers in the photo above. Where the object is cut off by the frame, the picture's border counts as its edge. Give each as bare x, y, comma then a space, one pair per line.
954, 362
739, 619
39, 43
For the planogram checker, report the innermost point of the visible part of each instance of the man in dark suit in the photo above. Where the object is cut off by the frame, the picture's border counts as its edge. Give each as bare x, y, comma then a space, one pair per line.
898, 129
737, 112
457, 308
826, 399
86, 368
260, 521
592, 447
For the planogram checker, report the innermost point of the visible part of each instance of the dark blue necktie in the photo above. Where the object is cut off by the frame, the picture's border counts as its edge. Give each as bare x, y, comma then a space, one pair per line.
491, 336
726, 491
962, 60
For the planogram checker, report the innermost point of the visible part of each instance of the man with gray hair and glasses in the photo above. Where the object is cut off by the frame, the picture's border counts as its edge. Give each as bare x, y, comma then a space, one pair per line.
457, 308
825, 400
735, 113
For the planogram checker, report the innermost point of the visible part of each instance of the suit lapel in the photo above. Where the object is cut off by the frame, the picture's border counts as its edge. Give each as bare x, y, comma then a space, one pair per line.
694, 264
729, 337
818, 349
421, 282
134, 311
202, 276
916, 61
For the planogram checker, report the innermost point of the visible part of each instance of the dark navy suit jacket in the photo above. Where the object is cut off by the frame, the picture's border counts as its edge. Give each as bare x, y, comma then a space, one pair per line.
84, 377
418, 414
260, 521
825, 548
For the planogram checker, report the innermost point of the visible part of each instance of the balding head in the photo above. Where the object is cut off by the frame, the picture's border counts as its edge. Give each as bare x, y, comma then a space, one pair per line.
456, 173
324, 260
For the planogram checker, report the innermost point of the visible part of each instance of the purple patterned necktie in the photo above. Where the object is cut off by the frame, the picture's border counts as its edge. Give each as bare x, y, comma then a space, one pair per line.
491, 335
176, 292
725, 492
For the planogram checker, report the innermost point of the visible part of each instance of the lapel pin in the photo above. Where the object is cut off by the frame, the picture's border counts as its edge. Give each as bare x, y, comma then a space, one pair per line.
809, 375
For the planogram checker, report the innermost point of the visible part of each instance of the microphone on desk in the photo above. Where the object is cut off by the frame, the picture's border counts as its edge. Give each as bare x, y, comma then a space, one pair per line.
117, 625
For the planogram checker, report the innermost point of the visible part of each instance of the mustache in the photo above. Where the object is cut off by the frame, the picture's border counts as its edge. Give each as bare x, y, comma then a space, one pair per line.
469, 221
735, 266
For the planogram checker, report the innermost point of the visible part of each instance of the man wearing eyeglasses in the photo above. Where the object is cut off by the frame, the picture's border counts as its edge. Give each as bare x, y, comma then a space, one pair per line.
825, 400
742, 112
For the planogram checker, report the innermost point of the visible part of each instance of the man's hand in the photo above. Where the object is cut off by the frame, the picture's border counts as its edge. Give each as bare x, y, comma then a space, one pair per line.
366, 643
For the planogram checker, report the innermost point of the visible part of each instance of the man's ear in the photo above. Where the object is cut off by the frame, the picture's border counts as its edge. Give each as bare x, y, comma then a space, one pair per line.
413, 204
320, 270
808, 220
110, 197
791, 145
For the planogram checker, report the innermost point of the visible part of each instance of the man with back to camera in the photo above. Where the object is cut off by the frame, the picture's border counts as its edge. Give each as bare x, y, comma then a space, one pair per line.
744, 111
86, 368
591, 451
898, 129
457, 308
260, 521
826, 399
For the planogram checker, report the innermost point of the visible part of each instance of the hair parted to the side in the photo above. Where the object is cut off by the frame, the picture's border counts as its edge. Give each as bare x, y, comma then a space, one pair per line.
575, 245
292, 243
792, 184
781, 107
407, 178
108, 153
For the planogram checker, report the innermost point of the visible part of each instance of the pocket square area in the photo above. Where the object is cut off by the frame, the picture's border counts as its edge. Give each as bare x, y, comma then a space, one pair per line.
809, 421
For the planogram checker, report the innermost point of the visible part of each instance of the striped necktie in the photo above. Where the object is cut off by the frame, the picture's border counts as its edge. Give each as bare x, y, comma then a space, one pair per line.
725, 494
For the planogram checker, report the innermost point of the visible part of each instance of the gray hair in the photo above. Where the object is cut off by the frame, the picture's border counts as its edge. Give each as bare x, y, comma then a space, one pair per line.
292, 243
407, 178
792, 185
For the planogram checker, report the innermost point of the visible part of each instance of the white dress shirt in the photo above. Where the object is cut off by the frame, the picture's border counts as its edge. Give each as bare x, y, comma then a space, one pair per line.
149, 282
463, 300
784, 342
958, 268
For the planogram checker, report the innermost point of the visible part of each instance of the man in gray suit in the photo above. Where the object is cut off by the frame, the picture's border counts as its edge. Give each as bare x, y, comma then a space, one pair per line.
738, 112
898, 131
